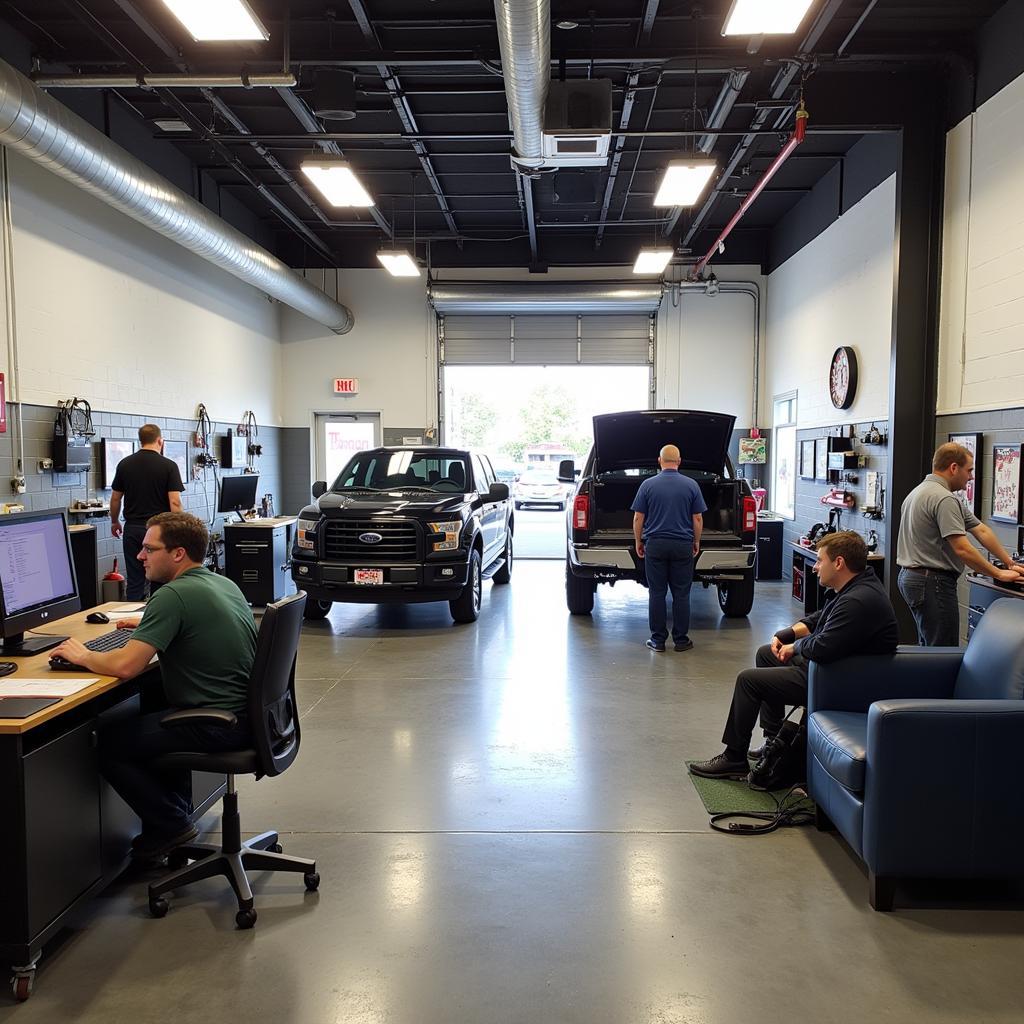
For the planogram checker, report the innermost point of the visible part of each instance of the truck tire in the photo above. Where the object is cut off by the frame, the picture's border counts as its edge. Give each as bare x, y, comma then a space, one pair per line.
316, 609
504, 574
736, 597
466, 607
579, 593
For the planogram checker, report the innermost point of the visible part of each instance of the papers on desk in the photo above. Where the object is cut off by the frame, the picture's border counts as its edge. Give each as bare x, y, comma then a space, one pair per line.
127, 609
43, 687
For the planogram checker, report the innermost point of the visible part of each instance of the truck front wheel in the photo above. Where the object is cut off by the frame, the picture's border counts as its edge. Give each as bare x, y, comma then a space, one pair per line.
466, 607
316, 609
736, 597
579, 593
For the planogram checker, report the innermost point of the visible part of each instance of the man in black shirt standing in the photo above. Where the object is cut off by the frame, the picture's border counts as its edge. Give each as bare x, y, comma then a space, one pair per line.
858, 619
148, 484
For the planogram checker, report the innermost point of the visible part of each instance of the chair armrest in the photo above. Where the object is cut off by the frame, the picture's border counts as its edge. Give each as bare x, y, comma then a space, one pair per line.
198, 716
854, 684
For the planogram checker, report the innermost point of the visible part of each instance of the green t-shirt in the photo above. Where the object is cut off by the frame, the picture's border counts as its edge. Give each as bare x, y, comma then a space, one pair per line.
206, 636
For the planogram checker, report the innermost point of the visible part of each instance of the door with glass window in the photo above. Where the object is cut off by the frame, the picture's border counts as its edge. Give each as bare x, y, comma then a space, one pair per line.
338, 436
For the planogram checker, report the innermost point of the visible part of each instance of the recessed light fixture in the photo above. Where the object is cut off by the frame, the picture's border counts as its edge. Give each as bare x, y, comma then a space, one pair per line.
218, 20
171, 124
764, 17
683, 182
567, 25
336, 182
399, 263
652, 261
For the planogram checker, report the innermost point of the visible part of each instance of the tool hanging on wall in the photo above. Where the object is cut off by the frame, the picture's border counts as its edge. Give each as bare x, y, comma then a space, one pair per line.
72, 428
839, 498
203, 432
248, 429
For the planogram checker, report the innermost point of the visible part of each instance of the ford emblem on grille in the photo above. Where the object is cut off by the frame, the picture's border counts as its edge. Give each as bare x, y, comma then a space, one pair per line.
370, 538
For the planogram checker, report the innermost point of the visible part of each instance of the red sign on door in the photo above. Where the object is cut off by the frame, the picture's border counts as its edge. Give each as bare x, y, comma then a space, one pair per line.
346, 385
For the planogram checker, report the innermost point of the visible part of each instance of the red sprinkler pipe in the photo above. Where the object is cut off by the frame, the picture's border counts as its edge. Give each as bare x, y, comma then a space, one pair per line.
794, 140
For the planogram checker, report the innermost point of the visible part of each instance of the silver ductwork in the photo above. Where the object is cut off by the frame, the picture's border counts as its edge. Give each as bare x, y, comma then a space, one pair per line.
524, 37
499, 298
49, 134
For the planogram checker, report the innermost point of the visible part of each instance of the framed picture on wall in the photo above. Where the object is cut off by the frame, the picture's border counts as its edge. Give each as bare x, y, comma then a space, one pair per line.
971, 494
807, 460
177, 451
821, 459
1006, 483
112, 451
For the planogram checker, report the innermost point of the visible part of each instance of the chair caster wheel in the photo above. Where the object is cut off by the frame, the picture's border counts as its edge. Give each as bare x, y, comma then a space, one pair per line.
21, 986
245, 918
158, 906
312, 881
275, 848
176, 860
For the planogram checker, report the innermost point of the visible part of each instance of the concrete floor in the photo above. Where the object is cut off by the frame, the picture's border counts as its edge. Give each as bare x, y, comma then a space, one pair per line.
505, 833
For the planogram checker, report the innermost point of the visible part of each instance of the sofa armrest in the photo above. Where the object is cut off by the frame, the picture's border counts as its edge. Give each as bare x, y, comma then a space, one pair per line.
854, 684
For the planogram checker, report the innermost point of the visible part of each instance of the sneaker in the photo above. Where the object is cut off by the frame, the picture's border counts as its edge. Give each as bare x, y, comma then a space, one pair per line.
685, 645
721, 767
152, 847
655, 646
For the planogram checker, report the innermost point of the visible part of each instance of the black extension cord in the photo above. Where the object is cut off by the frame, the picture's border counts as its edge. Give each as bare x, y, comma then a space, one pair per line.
793, 809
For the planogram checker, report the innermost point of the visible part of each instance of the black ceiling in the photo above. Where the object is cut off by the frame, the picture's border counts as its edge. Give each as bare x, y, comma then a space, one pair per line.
430, 69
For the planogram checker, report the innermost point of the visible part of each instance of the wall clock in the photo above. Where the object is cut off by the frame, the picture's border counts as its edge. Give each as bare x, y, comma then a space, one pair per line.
842, 377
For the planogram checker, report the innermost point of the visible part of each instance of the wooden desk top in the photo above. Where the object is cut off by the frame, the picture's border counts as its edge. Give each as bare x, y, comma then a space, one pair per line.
37, 666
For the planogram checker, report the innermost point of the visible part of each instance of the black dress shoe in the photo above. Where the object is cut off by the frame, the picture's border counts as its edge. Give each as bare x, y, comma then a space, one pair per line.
756, 753
655, 646
721, 767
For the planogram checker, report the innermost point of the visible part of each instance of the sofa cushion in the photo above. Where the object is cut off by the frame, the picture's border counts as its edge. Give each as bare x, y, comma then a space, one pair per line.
993, 665
838, 739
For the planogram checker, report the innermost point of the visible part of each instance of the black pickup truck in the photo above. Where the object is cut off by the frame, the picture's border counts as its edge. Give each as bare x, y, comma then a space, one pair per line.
600, 521
405, 525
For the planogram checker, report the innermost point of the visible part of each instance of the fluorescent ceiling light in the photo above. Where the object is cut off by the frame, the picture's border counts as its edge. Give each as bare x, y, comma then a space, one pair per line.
683, 182
336, 182
213, 20
399, 263
764, 17
652, 261
171, 124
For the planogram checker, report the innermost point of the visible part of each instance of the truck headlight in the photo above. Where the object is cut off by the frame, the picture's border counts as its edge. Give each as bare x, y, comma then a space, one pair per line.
451, 531
305, 534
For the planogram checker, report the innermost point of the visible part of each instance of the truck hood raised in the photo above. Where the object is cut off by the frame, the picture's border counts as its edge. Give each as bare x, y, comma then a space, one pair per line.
405, 503
624, 440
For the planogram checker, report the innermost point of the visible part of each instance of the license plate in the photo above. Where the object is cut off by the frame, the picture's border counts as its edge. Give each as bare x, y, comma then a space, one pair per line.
371, 577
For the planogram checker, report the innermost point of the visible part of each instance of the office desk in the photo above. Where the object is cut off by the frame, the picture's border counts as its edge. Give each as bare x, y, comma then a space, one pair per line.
67, 834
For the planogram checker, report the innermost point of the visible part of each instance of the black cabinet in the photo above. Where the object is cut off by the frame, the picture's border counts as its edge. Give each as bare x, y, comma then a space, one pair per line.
256, 558
769, 549
982, 593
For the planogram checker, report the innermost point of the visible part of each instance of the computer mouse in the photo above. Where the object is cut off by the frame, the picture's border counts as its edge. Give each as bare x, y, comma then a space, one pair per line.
97, 617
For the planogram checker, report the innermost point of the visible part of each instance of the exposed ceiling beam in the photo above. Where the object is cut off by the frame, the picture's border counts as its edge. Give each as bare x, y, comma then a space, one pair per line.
531, 221
647, 21
620, 142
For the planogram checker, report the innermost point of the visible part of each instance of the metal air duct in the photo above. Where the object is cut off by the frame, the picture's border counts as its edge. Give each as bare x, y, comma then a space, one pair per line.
499, 298
48, 133
524, 37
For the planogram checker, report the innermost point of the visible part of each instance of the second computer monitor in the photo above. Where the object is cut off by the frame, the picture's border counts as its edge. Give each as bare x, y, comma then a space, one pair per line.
238, 493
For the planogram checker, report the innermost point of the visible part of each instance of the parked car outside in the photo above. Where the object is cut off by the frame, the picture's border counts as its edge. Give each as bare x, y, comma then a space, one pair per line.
539, 486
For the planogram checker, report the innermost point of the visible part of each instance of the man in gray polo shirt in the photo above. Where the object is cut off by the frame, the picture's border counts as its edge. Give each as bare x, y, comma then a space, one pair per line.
933, 549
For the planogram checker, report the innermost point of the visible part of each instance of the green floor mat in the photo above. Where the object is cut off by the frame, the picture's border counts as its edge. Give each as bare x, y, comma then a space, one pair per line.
720, 796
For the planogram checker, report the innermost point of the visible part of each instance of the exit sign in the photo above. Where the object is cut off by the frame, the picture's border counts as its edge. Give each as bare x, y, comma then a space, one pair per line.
346, 385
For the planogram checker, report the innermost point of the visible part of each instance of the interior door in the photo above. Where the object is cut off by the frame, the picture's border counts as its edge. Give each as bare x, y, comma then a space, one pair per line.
339, 436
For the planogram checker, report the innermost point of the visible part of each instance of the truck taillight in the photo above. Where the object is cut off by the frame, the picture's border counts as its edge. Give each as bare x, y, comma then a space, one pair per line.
581, 512
749, 515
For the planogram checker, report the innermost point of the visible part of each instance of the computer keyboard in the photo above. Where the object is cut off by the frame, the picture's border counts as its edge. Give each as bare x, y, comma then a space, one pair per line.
110, 641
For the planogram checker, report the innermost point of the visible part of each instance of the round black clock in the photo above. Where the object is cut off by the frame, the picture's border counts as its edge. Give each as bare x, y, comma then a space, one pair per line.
842, 377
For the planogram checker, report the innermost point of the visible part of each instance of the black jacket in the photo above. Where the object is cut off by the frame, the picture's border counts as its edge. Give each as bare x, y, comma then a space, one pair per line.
857, 620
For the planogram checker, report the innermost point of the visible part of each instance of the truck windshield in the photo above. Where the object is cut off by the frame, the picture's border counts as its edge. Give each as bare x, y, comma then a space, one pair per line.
406, 470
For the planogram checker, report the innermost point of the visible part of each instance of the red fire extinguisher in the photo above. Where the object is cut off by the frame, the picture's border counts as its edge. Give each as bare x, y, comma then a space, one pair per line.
112, 586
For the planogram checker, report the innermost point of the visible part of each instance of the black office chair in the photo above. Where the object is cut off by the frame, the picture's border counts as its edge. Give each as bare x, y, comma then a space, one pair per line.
275, 727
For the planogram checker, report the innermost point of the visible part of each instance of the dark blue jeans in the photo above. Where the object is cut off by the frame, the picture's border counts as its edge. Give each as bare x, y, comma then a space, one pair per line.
162, 798
933, 602
669, 566
134, 570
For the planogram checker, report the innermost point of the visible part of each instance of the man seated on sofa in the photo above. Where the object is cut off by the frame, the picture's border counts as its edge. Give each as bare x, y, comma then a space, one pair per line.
857, 619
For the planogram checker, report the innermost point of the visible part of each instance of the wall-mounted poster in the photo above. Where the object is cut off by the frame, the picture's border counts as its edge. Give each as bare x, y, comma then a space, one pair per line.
971, 494
807, 460
177, 452
753, 451
111, 453
1006, 483
821, 459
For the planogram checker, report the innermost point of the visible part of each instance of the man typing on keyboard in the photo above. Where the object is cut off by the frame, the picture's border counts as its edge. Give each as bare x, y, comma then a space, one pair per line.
203, 631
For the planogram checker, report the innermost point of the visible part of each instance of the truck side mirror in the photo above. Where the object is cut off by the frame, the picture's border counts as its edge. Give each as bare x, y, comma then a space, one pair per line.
320, 487
498, 492
567, 471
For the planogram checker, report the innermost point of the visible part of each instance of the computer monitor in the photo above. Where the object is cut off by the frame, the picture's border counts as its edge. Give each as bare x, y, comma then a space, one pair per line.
37, 578
238, 493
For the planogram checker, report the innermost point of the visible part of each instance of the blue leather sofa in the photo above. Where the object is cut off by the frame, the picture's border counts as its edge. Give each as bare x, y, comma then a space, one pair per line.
916, 757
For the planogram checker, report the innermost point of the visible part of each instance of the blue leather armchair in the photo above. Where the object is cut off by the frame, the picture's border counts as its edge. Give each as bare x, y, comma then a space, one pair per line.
915, 757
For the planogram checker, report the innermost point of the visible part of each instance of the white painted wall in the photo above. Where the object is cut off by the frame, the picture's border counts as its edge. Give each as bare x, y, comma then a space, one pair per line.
110, 311
981, 340
837, 290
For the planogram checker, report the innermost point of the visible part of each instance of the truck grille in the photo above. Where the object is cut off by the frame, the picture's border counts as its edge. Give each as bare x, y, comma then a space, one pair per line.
342, 543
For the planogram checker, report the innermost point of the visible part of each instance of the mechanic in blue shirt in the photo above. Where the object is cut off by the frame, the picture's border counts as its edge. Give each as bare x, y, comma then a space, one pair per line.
667, 522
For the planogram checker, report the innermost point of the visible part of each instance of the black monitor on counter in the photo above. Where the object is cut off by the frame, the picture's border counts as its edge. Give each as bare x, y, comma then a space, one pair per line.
238, 493
37, 578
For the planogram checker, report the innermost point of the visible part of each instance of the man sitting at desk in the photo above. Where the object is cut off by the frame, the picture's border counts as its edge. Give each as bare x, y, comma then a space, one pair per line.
203, 630
857, 619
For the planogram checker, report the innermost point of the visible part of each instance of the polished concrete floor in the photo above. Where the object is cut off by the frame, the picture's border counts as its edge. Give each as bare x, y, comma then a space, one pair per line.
505, 833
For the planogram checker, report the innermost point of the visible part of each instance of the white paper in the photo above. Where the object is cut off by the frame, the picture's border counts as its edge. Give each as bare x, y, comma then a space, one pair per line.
43, 687
126, 609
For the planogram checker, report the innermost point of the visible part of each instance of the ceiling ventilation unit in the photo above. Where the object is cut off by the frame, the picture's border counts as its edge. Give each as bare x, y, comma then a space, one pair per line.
578, 123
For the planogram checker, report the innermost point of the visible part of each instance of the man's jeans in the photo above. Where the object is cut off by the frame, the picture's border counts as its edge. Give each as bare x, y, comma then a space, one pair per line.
933, 602
669, 564
134, 570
